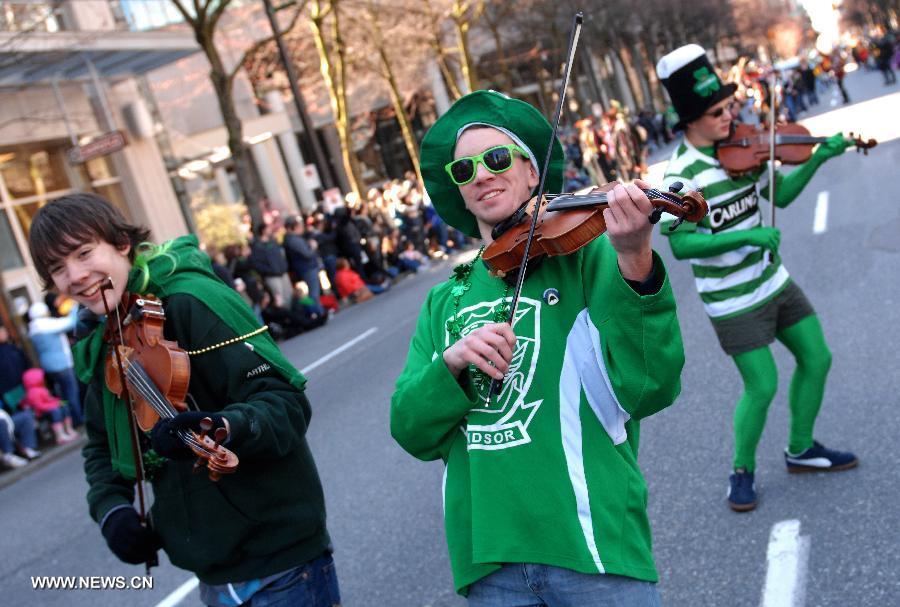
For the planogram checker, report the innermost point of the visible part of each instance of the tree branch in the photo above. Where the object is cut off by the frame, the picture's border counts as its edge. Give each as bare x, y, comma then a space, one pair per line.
218, 12
188, 18
263, 42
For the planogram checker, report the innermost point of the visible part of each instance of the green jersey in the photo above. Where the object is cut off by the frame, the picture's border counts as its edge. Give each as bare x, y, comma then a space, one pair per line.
736, 281
547, 471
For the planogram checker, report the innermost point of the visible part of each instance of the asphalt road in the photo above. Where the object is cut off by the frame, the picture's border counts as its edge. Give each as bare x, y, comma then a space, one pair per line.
384, 506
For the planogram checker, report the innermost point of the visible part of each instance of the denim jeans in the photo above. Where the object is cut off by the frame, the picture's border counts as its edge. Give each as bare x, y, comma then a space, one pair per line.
312, 585
311, 278
23, 422
67, 389
528, 585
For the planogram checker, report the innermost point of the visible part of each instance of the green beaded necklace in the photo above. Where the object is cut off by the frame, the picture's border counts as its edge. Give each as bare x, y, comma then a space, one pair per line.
462, 277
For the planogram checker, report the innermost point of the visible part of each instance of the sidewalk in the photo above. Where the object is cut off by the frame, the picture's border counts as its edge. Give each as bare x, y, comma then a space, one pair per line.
50, 455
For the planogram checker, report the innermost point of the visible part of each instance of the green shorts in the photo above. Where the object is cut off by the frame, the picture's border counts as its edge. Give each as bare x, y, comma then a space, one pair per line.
759, 326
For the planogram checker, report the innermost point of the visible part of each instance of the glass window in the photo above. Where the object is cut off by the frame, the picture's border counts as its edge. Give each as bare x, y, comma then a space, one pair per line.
97, 169
34, 172
25, 213
10, 257
113, 193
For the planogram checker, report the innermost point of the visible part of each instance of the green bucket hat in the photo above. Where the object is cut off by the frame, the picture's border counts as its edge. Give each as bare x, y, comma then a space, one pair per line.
488, 108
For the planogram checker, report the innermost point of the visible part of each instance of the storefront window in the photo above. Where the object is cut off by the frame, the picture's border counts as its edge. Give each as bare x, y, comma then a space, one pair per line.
25, 213
34, 172
97, 169
10, 258
113, 193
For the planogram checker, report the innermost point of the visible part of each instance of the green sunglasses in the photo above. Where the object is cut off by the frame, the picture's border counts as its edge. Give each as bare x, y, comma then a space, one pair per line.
497, 159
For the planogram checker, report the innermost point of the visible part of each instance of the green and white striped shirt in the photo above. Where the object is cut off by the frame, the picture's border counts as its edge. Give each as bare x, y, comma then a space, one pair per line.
736, 281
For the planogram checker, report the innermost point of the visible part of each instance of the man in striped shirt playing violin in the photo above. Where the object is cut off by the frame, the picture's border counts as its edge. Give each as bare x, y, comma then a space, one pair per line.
746, 290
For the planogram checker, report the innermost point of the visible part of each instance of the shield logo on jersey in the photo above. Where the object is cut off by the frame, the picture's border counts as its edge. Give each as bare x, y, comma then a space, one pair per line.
526, 325
502, 421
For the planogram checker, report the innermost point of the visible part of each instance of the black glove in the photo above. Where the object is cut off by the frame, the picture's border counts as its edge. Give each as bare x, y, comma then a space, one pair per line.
164, 436
128, 539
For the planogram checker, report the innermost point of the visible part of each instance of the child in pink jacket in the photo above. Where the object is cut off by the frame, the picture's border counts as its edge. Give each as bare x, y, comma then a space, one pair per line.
39, 399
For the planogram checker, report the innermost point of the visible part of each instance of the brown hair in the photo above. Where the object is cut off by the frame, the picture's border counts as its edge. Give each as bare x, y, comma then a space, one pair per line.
63, 225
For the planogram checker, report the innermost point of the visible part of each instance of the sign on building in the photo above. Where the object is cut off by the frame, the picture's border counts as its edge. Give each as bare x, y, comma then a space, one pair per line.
332, 199
102, 145
311, 177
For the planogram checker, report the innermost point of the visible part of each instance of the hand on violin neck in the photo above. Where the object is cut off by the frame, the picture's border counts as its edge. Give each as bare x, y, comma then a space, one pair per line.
834, 146
164, 435
629, 229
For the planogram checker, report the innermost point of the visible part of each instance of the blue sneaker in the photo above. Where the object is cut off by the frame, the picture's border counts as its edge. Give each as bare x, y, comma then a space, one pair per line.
819, 459
741, 491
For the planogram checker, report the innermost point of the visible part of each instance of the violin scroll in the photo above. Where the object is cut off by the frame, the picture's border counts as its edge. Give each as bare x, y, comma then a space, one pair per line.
210, 453
690, 206
863, 145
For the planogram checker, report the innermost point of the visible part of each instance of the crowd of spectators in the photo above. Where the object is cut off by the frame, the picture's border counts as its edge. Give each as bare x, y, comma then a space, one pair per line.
29, 411
612, 147
296, 270
616, 144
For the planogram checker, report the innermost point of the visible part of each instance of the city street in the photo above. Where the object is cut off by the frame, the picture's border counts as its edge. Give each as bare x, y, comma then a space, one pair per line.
839, 242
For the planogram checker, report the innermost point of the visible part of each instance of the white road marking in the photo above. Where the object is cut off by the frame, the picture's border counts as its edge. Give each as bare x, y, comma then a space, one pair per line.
820, 223
179, 593
787, 559
331, 355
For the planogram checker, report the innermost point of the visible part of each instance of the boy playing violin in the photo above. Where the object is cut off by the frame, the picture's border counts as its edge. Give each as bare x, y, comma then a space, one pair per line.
541, 481
748, 294
256, 534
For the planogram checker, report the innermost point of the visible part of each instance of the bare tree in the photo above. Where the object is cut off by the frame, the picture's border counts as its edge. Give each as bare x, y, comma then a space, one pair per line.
403, 36
463, 13
333, 65
495, 14
203, 17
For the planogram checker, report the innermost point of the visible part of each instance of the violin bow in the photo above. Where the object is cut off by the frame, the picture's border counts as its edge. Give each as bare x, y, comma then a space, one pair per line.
772, 117
140, 477
577, 22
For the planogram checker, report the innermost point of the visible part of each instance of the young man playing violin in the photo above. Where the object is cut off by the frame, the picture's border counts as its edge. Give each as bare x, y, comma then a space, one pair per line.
747, 292
257, 535
544, 502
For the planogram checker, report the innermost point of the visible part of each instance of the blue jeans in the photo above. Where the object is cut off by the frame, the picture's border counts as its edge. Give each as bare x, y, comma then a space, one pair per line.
330, 263
311, 278
312, 585
528, 585
23, 422
67, 389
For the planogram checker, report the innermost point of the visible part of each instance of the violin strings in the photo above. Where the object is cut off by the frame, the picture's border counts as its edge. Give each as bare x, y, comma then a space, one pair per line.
142, 382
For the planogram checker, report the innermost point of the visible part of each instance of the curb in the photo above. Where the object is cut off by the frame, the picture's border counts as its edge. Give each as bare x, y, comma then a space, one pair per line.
49, 456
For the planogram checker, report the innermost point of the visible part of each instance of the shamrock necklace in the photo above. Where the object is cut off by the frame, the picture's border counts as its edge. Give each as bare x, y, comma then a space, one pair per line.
462, 278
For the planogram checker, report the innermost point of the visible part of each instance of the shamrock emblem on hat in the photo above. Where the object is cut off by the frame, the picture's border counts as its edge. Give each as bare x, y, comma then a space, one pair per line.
707, 82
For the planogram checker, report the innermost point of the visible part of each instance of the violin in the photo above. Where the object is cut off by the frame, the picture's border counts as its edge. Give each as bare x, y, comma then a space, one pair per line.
747, 149
568, 222
156, 373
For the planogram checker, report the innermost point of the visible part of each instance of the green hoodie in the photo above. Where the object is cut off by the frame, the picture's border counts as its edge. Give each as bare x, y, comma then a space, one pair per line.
267, 517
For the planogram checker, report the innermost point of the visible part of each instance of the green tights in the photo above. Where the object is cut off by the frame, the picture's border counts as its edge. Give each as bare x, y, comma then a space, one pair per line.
757, 367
